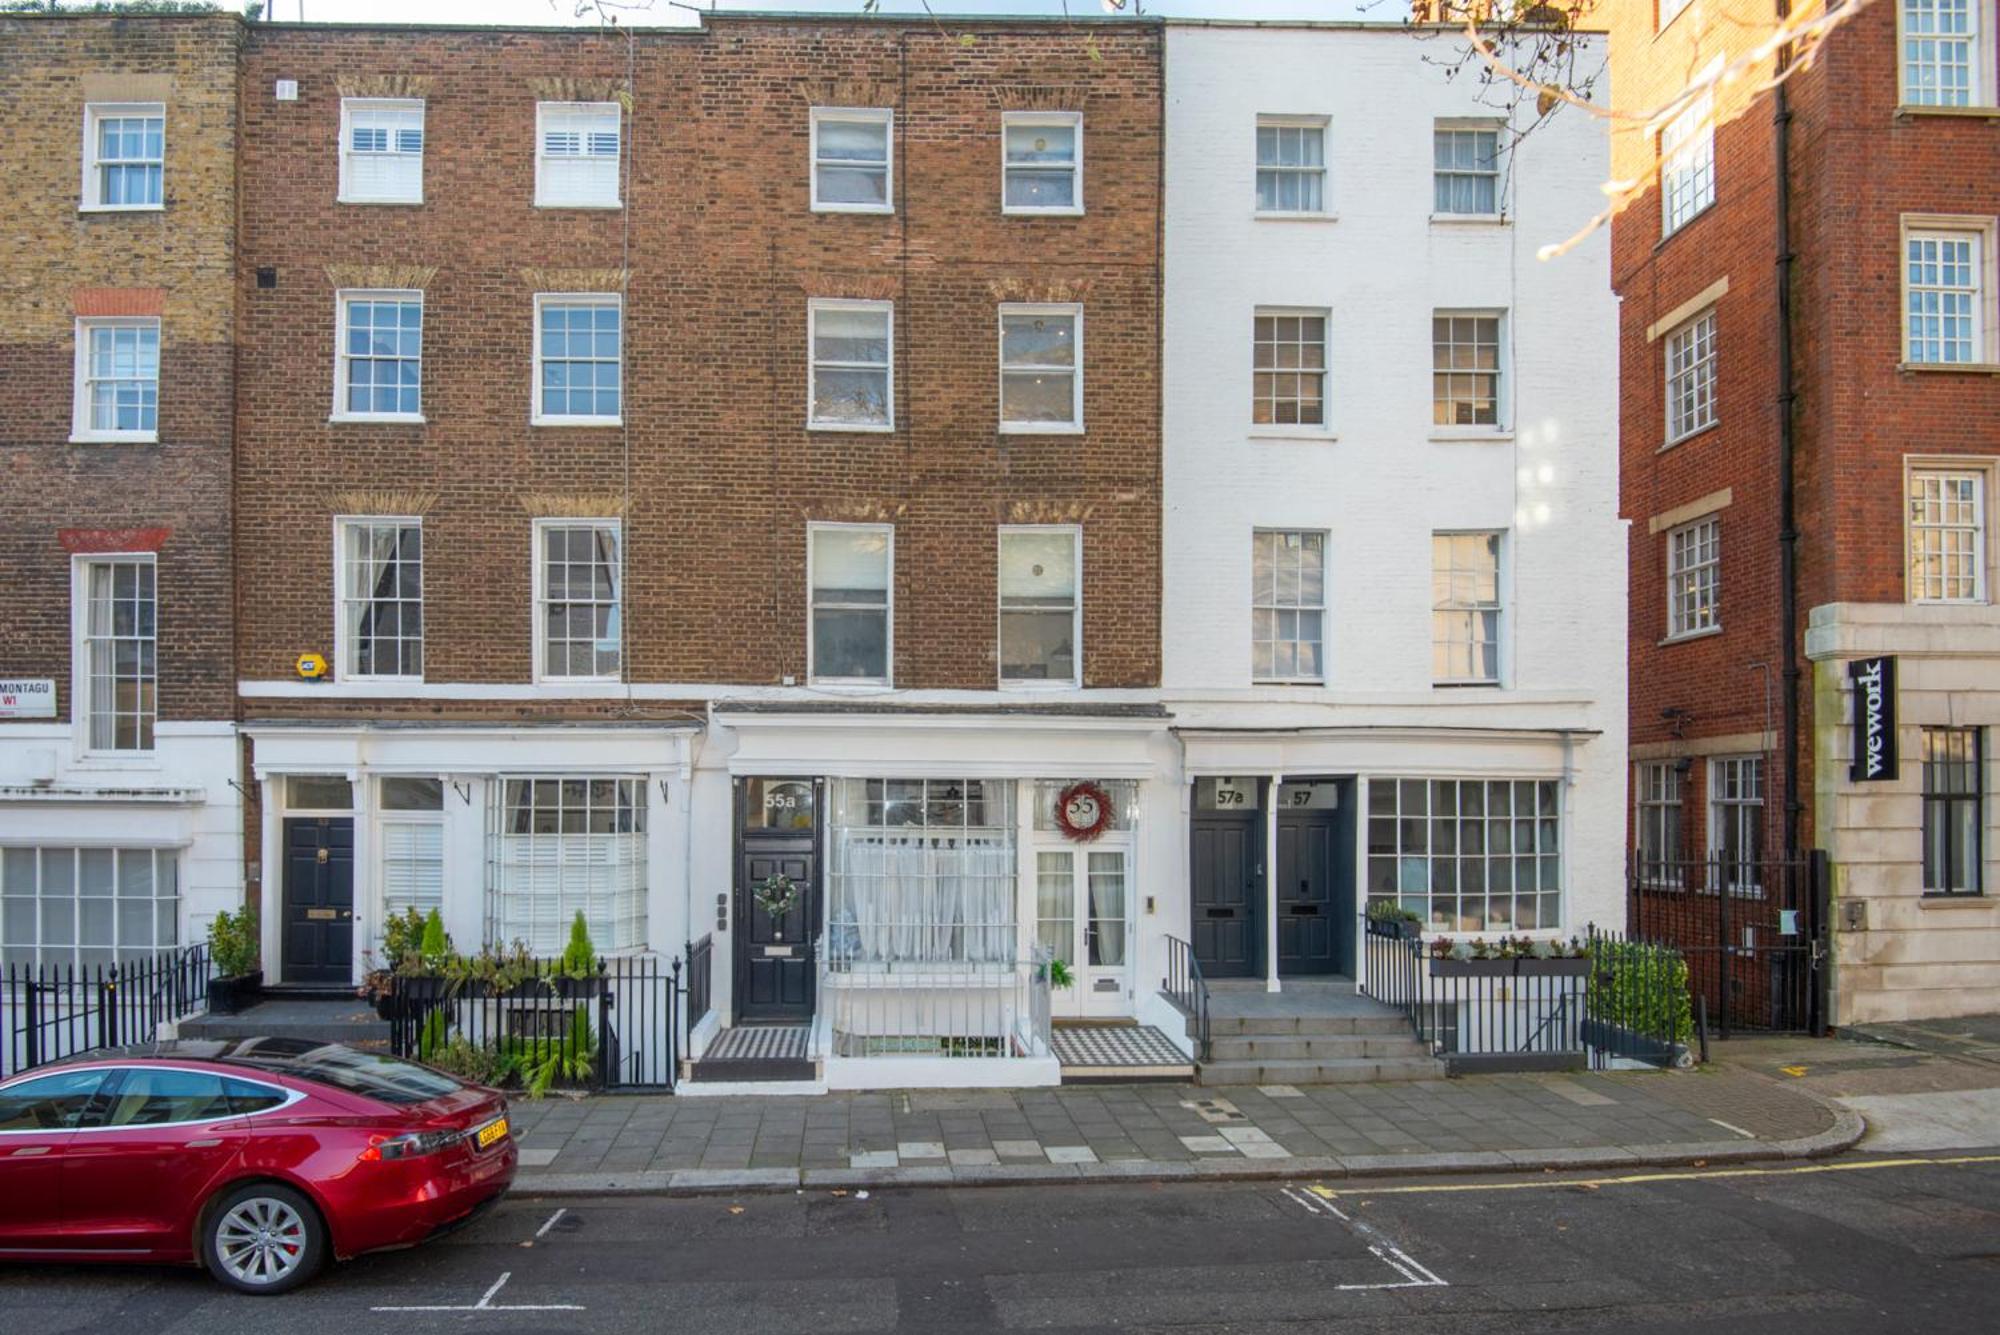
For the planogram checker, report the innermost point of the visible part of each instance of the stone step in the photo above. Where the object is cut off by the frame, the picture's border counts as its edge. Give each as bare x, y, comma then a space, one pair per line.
1282, 1026
1338, 1071
345, 1021
1319, 1047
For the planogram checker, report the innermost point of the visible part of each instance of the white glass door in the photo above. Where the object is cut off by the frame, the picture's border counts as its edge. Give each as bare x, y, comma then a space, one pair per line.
1083, 918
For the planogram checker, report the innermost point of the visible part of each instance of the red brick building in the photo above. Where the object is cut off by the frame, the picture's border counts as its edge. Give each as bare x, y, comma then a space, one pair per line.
119, 830
1862, 199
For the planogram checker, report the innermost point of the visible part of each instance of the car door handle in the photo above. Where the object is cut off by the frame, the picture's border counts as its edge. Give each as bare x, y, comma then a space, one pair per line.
29, 1151
207, 1144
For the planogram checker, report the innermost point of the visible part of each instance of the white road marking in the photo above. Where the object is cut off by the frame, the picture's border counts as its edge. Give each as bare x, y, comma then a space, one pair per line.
1415, 1275
1737, 1129
486, 1303
543, 1230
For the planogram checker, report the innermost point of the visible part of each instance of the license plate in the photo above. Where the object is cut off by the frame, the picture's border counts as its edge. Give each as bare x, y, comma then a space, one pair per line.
490, 1133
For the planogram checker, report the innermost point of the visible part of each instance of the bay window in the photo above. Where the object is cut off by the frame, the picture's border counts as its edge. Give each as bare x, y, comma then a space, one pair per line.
564, 844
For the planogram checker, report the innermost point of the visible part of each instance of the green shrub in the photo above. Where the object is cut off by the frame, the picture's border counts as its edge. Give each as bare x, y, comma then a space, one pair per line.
579, 958
232, 942
403, 939
1641, 987
435, 950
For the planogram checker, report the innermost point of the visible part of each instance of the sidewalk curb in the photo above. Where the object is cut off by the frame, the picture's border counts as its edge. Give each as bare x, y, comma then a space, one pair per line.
1847, 1128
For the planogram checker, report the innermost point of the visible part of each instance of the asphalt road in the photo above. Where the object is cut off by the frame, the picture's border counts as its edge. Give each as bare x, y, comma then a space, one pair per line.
1912, 1245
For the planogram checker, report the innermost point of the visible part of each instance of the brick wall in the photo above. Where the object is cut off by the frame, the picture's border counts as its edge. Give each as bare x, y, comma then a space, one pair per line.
714, 473
57, 263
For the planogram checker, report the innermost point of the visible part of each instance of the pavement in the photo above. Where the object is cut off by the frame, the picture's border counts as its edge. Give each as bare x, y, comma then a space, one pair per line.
1167, 1132
1830, 1247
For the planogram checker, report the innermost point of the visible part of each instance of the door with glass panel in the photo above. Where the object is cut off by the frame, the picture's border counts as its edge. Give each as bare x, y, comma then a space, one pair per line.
1083, 912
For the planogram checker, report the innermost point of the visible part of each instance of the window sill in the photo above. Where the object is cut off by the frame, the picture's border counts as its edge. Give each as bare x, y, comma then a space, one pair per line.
372, 679
1472, 219
600, 206
1262, 216
380, 203
854, 428
1486, 437
1311, 683
1041, 428
1465, 685
849, 685
557, 682
1034, 685
1006, 212
1948, 602
1936, 368
882, 210
1933, 899
116, 760
576, 421
1304, 433
1687, 635
115, 438
1678, 441
379, 419
121, 208
1912, 111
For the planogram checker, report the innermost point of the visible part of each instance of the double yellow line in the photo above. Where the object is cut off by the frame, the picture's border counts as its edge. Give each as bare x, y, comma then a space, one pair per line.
1643, 1179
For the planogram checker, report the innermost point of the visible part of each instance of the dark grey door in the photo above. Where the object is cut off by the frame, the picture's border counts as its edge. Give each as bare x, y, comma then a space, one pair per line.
1226, 931
1308, 926
319, 899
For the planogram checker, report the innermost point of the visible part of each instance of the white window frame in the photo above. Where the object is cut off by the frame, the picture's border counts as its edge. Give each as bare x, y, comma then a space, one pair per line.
1503, 382
583, 869
1687, 151
1325, 169
165, 866
1075, 679
1984, 233
1073, 119
91, 197
888, 609
388, 818
1453, 608
1679, 627
544, 189
538, 556
1325, 554
1980, 472
1981, 95
1073, 427
80, 659
348, 193
1651, 803
1667, 11
1447, 125
537, 415
343, 637
1723, 811
813, 309
341, 298
1324, 371
1689, 353
81, 431
883, 116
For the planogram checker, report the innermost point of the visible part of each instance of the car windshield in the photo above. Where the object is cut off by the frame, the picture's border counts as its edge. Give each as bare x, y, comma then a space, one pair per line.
366, 1073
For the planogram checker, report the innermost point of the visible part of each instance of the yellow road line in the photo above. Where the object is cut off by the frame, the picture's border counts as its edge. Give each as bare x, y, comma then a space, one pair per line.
1642, 1179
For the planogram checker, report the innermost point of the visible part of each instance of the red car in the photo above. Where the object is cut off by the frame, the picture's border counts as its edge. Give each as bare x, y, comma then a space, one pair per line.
256, 1158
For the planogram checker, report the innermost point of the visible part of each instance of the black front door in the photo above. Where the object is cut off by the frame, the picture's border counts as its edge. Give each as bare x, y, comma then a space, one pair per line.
319, 899
774, 966
1228, 892
1308, 926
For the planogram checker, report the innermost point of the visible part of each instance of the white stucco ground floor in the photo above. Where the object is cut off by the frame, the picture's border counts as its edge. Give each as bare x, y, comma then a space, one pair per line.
922, 891
1914, 842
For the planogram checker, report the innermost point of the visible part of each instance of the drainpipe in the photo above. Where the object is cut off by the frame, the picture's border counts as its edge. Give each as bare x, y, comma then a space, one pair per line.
1788, 530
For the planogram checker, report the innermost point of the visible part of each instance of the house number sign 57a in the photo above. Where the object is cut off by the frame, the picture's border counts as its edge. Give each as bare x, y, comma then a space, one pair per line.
1874, 719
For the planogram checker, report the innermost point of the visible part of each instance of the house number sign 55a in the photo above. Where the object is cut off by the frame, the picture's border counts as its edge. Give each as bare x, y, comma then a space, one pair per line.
1874, 719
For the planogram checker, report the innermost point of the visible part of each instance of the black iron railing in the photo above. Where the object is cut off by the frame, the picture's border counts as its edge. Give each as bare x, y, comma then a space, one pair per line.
1188, 990
616, 1028
700, 972
50, 1011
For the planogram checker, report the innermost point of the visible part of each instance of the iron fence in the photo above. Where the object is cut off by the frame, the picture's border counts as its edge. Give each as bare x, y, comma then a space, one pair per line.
616, 1028
1623, 999
1753, 932
49, 1012
937, 1008
1188, 991
700, 972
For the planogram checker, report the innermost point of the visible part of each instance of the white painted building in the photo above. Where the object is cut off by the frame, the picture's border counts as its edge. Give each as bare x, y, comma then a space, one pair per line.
1394, 588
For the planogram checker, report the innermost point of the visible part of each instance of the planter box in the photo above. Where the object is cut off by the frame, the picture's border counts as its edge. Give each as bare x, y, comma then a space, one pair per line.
1451, 968
1577, 967
1397, 928
227, 996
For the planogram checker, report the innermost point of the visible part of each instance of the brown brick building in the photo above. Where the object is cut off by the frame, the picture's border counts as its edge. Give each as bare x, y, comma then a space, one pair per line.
118, 825
1884, 203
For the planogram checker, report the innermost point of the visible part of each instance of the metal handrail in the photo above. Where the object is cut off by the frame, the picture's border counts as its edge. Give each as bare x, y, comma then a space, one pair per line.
1188, 990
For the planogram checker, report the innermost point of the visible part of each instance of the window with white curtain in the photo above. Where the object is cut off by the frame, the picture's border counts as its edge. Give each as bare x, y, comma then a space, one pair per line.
1465, 169
1291, 164
851, 366
381, 150
1042, 162
85, 907
1041, 368
849, 635
852, 159
411, 825
576, 154
381, 630
923, 871
1040, 608
1465, 609
563, 844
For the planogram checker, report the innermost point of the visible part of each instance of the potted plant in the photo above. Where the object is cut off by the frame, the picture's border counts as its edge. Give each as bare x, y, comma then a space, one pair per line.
577, 973
1477, 958
232, 954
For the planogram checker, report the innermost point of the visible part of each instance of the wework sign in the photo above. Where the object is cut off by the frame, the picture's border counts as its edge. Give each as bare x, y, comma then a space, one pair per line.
1874, 719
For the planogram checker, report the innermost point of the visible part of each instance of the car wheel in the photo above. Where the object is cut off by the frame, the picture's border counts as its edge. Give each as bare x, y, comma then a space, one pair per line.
263, 1238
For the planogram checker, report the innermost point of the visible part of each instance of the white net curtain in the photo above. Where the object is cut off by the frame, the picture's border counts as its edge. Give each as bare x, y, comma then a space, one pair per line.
923, 871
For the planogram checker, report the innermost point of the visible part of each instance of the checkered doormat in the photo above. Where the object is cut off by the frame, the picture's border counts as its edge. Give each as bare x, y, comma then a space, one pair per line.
759, 1042
1114, 1045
